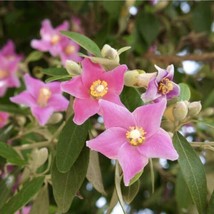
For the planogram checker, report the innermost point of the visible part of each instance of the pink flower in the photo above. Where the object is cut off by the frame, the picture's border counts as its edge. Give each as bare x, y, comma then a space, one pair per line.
51, 38
8, 76
69, 51
3, 119
93, 84
161, 86
133, 138
43, 99
8, 51
77, 25
25, 210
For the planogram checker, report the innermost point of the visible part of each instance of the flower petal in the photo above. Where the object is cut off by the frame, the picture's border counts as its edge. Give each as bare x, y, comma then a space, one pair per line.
115, 115
91, 72
131, 162
63, 26
109, 142
115, 79
42, 114
113, 98
54, 87
175, 92
58, 102
149, 116
75, 88
159, 146
41, 45
24, 98
33, 85
83, 109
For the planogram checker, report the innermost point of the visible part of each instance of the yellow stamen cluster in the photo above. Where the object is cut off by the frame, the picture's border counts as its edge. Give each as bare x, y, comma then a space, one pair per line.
165, 86
98, 89
3, 74
44, 96
135, 135
69, 49
55, 39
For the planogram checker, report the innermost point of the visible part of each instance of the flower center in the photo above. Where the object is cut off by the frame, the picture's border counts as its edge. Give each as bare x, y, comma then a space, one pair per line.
98, 89
55, 39
3, 74
165, 86
69, 49
44, 96
135, 135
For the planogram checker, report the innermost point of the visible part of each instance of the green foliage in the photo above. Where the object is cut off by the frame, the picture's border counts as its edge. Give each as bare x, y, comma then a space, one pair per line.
185, 93
193, 172
66, 185
55, 71
211, 204
71, 141
28, 190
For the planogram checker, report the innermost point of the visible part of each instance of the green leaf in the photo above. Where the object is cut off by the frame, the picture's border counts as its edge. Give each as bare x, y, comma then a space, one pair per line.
192, 170
10, 154
113, 8
21, 198
121, 50
211, 204
41, 204
148, 31
113, 202
130, 192
182, 194
71, 141
185, 93
66, 185
34, 56
5, 191
130, 97
209, 101
55, 71
13, 109
94, 173
84, 42
58, 77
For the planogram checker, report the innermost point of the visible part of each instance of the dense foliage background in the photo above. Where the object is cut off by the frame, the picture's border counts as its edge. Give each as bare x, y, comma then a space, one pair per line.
162, 33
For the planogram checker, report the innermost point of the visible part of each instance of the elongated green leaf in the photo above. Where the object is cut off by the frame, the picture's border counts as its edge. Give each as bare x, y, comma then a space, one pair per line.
10, 154
84, 42
182, 194
28, 190
130, 192
34, 56
94, 173
55, 71
192, 170
58, 77
66, 185
71, 141
113, 202
131, 98
41, 204
185, 93
5, 191
13, 109
211, 204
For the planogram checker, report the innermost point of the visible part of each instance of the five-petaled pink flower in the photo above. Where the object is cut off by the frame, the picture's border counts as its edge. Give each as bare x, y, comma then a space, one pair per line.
3, 119
93, 84
161, 86
133, 138
8, 74
43, 99
51, 38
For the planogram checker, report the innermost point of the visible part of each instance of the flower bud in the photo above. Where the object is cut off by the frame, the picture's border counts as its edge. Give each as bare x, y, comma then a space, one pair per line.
144, 79
194, 108
72, 67
110, 53
20, 120
131, 78
180, 111
38, 158
55, 118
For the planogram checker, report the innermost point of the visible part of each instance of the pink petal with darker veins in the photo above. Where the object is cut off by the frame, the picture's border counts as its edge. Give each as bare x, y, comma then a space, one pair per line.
131, 162
159, 146
109, 142
83, 109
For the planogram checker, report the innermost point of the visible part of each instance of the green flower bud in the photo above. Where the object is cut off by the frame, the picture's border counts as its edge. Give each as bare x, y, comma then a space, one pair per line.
144, 78
194, 108
180, 110
110, 53
55, 118
73, 68
131, 78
